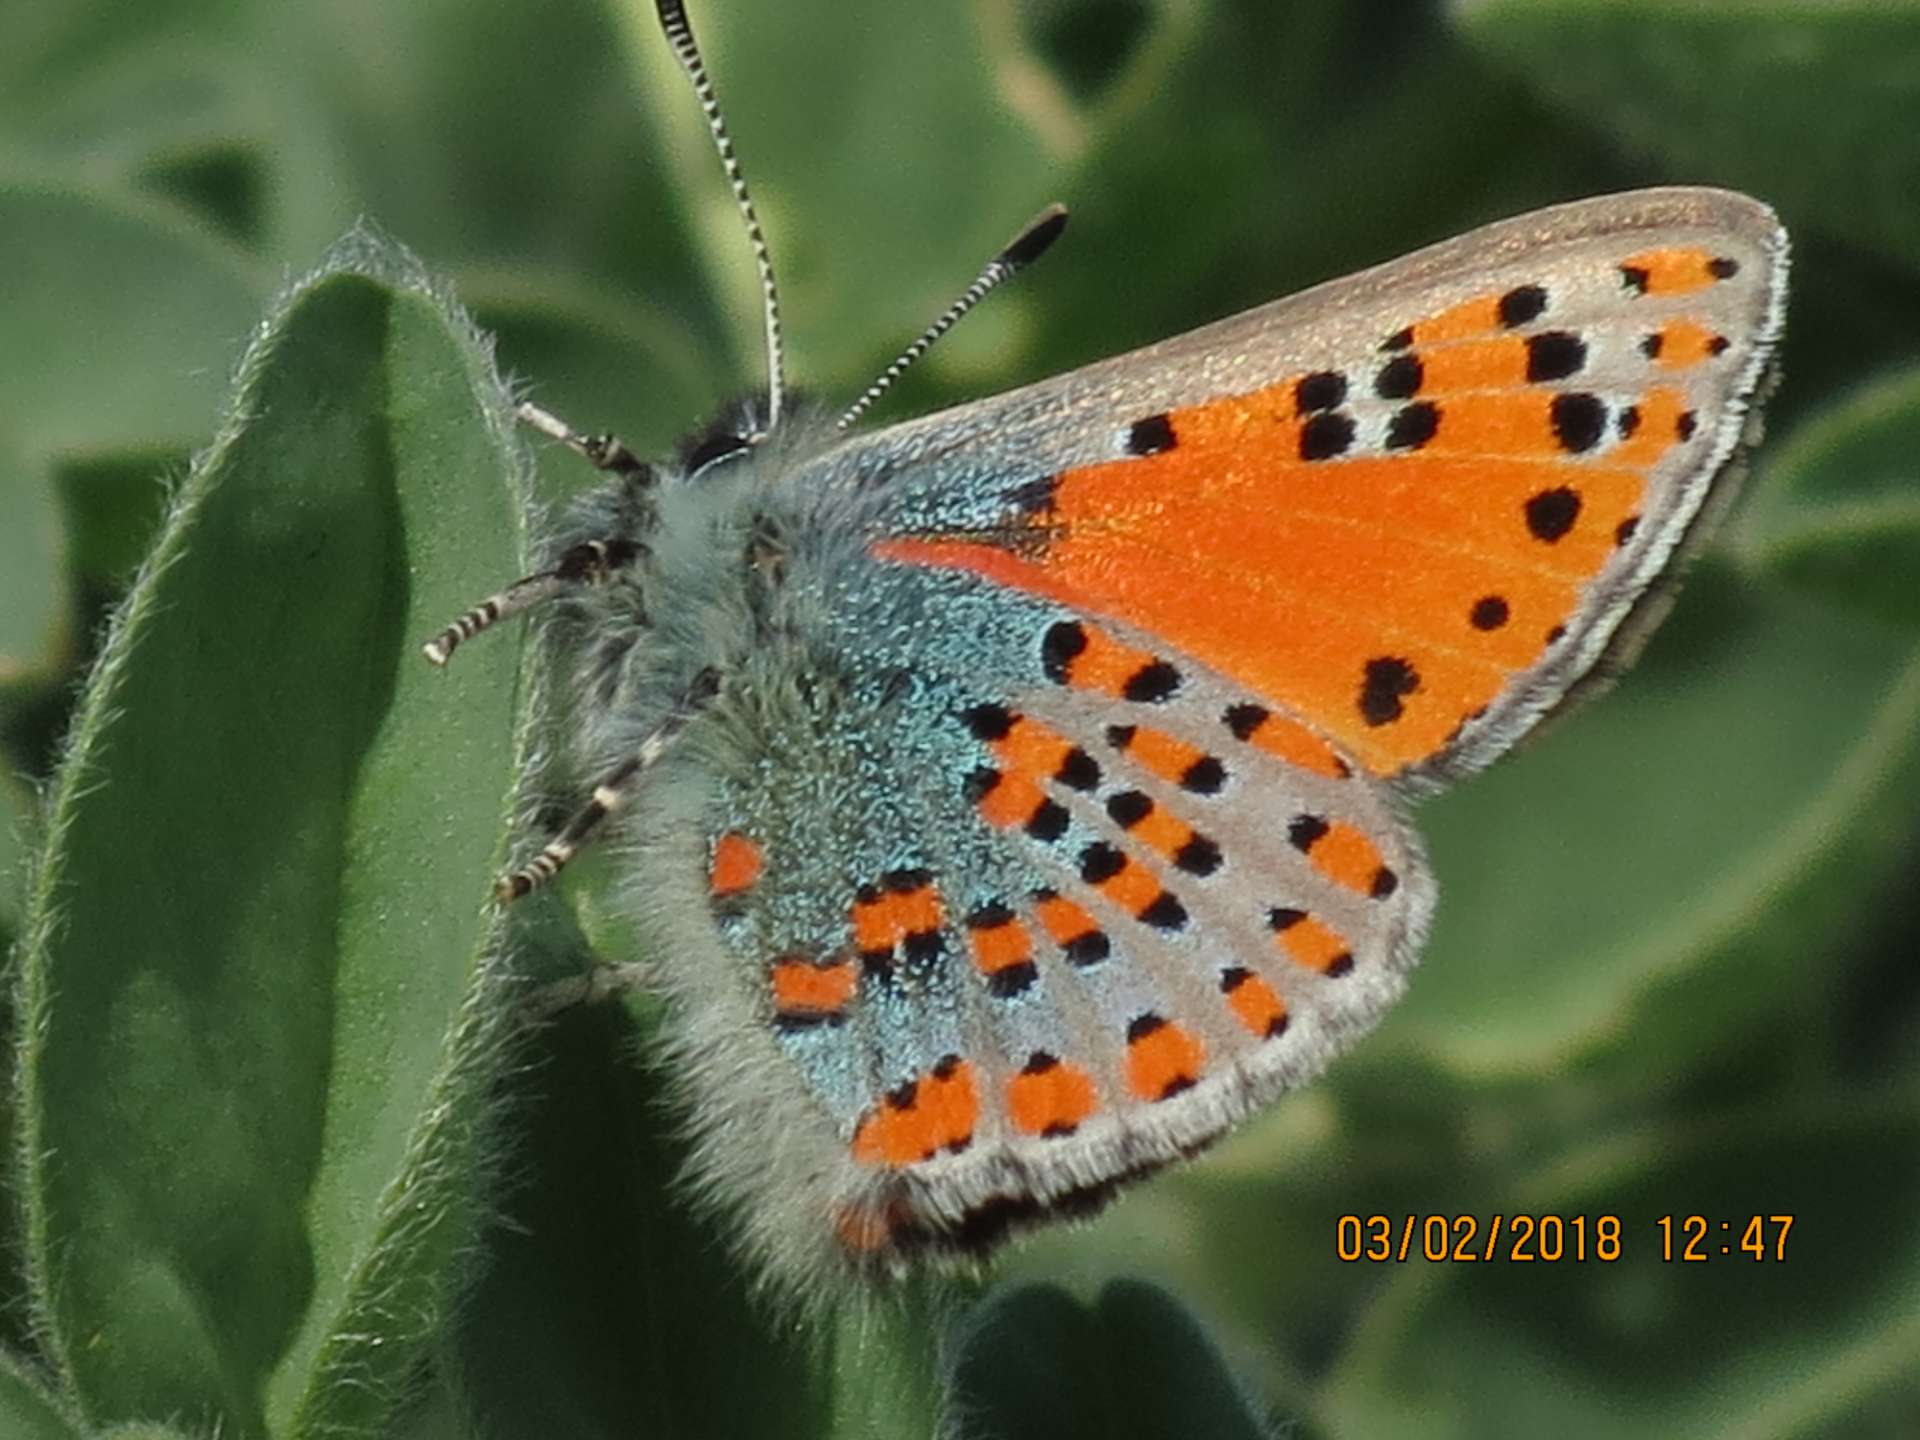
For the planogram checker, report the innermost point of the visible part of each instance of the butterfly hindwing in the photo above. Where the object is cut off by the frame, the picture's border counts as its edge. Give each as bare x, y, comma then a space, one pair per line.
1413, 508
1030, 924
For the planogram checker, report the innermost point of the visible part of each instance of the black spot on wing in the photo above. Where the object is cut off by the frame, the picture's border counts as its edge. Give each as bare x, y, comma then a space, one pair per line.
989, 721
1385, 682
1034, 497
1078, 770
1326, 436
1579, 420
1323, 390
1489, 612
1306, 831
1552, 513
1522, 305
1199, 856
1151, 436
1048, 822
1063, 643
1400, 378
1012, 980
1152, 683
1412, 426
1206, 776
1554, 355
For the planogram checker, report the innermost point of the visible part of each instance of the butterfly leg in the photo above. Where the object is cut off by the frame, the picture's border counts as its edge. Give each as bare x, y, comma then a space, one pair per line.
609, 796
588, 563
603, 452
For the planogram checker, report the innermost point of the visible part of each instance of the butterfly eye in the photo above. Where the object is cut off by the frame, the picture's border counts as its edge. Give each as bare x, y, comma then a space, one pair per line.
714, 449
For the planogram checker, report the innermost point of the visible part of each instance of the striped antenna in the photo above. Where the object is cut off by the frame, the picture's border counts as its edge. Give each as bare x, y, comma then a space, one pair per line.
1028, 246
673, 20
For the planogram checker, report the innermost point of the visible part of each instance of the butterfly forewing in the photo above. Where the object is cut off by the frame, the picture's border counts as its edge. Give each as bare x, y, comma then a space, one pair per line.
1424, 498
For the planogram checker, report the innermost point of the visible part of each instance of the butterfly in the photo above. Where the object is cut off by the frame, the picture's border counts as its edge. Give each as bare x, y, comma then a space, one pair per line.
1012, 800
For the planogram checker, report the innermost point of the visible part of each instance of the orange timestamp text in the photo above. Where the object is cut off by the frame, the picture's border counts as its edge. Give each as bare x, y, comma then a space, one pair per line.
1527, 1239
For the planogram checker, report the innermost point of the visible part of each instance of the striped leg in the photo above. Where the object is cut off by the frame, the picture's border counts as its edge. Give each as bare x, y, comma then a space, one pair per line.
609, 796
587, 563
603, 452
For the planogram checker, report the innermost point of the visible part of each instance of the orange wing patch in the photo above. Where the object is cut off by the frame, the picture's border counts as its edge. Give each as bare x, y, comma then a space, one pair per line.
1343, 854
1162, 1058
935, 1112
1171, 758
1002, 950
1294, 743
1049, 1097
1385, 588
1675, 271
901, 916
1682, 342
1254, 1002
807, 993
1310, 942
1070, 927
737, 865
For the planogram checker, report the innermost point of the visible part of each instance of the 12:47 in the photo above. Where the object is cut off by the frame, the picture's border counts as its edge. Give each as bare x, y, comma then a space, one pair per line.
1697, 1237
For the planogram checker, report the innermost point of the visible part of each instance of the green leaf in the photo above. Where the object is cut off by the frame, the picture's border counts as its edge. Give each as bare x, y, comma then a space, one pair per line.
867, 251
610, 1307
27, 1411
601, 361
1808, 105
104, 298
260, 983
1838, 508
1034, 1362
16, 818
632, 1315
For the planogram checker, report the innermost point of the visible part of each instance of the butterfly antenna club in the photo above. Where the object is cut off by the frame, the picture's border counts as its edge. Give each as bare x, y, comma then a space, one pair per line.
1025, 248
673, 20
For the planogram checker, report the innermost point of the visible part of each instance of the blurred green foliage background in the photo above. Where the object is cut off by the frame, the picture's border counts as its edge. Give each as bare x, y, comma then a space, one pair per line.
1674, 972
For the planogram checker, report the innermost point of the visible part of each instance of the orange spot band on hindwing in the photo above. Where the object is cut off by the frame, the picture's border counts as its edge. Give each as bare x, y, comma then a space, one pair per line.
800, 987
1032, 748
1050, 1097
1172, 759
1286, 740
1104, 664
904, 904
1307, 941
1063, 919
737, 864
1659, 417
1162, 1058
1344, 854
1011, 800
1001, 946
935, 1111
1254, 1002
